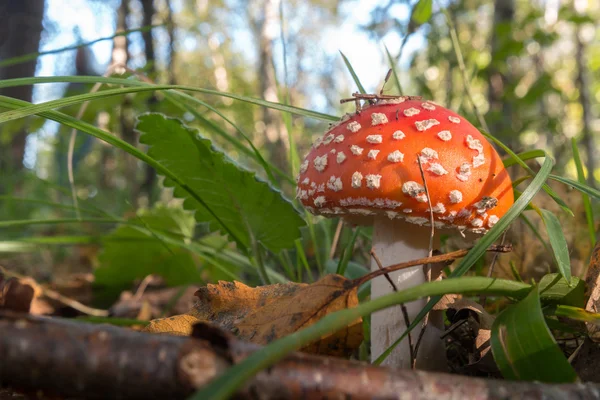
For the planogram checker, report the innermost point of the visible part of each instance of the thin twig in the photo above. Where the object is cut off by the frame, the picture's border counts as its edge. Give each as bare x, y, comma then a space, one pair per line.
376, 97
54, 295
453, 327
402, 306
336, 238
142, 288
448, 257
428, 265
483, 297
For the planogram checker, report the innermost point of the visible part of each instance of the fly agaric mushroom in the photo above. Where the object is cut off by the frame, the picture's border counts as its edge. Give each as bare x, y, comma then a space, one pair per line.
366, 169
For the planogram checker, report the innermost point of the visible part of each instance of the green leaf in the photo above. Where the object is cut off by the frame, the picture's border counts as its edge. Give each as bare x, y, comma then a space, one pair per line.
587, 205
130, 253
225, 385
554, 289
251, 209
354, 76
523, 346
421, 12
558, 243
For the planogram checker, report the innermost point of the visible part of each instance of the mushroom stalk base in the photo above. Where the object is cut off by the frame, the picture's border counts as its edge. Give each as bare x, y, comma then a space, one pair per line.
395, 242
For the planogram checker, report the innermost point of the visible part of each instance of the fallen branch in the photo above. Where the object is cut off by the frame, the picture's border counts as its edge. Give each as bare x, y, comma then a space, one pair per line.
91, 361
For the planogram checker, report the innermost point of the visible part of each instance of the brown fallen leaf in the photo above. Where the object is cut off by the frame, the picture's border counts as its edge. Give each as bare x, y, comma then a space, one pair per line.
265, 313
592, 284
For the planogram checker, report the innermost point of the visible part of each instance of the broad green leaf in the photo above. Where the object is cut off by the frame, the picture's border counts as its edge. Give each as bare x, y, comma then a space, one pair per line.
554, 289
225, 385
421, 12
480, 248
251, 209
587, 205
124, 259
523, 346
558, 243
354, 76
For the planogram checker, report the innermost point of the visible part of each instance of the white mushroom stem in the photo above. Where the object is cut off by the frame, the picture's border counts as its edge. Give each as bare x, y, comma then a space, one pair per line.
395, 242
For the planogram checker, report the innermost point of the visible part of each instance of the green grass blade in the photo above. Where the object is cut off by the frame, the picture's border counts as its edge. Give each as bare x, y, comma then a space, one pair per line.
304, 260
121, 144
227, 384
49, 203
393, 67
137, 86
524, 156
577, 314
587, 205
582, 187
480, 248
13, 246
354, 76
535, 231
523, 346
347, 255
522, 163
560, 249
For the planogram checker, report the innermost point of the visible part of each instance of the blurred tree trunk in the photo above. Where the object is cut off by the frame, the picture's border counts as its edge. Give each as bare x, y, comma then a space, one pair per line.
504, 12
126, 115
584, 100
120, 55
171, 44
275, 133
149, 181
20, 32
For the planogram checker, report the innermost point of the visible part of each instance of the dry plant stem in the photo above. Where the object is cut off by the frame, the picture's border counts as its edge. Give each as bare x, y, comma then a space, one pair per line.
336, 238
142, 288
483, 297
111, 362
51, 294
402, 306
447, 257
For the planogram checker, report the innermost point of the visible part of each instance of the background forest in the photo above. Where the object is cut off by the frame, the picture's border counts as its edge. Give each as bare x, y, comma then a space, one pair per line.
95, 221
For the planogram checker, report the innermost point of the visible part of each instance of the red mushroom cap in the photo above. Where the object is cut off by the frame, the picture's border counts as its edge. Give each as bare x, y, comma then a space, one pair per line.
367, 165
